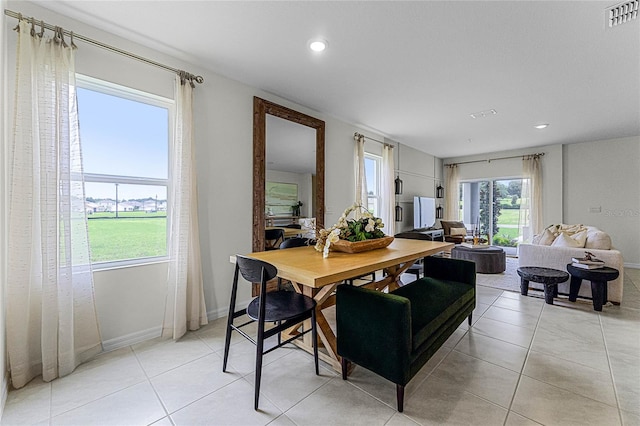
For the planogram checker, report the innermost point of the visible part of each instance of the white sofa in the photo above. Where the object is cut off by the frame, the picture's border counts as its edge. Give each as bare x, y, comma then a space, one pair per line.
557, 257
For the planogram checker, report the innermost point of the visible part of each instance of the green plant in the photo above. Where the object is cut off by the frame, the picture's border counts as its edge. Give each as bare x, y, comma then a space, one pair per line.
504, 241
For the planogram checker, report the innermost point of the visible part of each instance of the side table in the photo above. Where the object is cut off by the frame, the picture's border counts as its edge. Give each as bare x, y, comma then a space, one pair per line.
547, 276
598, 277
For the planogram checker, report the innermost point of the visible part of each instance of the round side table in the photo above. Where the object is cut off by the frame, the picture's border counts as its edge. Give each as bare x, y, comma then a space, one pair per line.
598, 277
549, 277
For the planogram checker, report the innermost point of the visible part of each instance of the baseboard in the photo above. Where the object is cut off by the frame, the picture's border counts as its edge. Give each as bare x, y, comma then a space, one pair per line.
222, 312
131, 339
152, 333
632, 265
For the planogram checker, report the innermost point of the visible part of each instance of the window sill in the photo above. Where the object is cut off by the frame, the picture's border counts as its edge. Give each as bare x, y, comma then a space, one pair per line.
121, 264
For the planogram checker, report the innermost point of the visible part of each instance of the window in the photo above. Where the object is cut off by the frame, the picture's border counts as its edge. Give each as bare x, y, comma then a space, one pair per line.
125, 147
372, 166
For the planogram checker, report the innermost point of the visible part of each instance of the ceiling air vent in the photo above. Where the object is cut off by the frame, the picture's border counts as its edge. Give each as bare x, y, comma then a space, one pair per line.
622, 13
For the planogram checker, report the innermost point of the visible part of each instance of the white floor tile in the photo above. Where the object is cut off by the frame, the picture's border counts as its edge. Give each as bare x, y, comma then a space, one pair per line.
492, 350
338, 402
137, 405
183, 385
549, 405
29, 404
231, 405
567, 375
481, 378
159, 356
439, 402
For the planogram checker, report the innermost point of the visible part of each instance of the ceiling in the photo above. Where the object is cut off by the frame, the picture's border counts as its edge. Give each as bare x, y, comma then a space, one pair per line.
412, 71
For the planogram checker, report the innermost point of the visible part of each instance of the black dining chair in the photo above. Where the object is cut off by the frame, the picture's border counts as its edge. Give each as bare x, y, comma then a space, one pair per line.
294, 242
273, 238
284, 308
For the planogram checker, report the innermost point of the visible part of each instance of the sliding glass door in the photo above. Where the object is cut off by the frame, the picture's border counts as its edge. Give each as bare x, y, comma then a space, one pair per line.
494, 207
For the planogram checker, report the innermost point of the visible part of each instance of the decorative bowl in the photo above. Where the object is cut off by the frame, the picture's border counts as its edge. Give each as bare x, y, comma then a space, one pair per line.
360, 246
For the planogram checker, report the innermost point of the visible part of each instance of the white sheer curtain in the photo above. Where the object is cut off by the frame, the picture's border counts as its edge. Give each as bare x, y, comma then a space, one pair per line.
51, 318
361, 178
388, 194
452, 194
530, 221
185, 308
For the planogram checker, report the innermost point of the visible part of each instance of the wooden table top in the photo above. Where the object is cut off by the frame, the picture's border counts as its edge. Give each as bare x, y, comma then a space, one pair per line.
306, 266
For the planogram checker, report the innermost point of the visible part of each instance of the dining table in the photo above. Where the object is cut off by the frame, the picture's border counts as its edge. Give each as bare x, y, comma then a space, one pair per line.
316, 276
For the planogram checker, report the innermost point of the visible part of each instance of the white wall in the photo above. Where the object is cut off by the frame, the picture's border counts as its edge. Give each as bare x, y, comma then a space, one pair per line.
3, 208
602, 188
130, 301
551, 174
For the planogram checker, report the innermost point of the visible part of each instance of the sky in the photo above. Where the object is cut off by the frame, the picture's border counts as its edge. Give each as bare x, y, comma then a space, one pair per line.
123, 137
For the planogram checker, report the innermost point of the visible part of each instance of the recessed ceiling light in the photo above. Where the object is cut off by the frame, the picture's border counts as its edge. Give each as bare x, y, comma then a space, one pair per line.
541, 126
318, 45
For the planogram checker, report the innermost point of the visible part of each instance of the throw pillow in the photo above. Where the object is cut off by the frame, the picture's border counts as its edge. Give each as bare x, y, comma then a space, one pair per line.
598, 240
546, 238
458, 231
564, 240
580, 237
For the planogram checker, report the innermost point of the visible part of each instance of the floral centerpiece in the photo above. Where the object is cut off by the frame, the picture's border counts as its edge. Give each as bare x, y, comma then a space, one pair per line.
367, 227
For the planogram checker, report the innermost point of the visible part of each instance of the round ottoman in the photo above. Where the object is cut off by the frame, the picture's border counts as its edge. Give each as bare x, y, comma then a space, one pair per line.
489, 260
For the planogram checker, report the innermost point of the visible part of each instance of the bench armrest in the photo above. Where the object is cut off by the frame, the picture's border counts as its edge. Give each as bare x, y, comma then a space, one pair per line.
374, 330
442, 268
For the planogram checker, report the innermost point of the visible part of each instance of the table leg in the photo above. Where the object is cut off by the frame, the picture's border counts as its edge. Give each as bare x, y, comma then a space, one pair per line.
597, 293
325, 333
574, 288
524, 286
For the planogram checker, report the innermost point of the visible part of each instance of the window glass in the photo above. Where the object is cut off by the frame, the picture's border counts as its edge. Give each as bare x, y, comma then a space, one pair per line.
372, 166
125, 147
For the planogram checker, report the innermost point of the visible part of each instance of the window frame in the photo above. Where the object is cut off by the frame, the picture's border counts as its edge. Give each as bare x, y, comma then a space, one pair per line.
377, 159
124, 92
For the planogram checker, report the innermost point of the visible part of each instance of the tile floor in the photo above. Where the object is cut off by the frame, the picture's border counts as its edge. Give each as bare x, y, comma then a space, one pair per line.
521, 363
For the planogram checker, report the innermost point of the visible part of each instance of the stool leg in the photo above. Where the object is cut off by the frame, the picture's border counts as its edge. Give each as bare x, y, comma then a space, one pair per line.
574, 288
524, 286
597, 293
548, 294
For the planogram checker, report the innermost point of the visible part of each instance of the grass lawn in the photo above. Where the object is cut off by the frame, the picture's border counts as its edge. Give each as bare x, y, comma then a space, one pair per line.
127, 238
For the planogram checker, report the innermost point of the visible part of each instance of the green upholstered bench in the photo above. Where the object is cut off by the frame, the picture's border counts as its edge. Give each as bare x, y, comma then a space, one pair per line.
394, 334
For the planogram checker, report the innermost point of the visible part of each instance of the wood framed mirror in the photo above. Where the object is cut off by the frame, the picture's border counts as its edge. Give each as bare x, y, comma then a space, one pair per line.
262, 108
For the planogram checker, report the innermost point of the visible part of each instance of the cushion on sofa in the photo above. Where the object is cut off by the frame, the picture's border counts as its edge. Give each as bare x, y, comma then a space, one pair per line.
427, 315
458, 231
545, 238
597, 239
565, 240
448, 224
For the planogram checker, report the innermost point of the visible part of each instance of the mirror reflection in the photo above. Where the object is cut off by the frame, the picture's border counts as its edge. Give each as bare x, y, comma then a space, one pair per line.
290, 171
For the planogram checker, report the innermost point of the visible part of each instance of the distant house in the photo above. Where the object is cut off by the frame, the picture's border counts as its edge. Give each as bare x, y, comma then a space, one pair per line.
90, 208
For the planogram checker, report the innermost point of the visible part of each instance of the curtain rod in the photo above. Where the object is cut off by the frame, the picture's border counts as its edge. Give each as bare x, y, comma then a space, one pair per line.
488, 160
357, 135
197, 79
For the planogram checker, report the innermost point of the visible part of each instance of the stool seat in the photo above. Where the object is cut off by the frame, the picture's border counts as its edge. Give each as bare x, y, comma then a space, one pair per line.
548, 276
